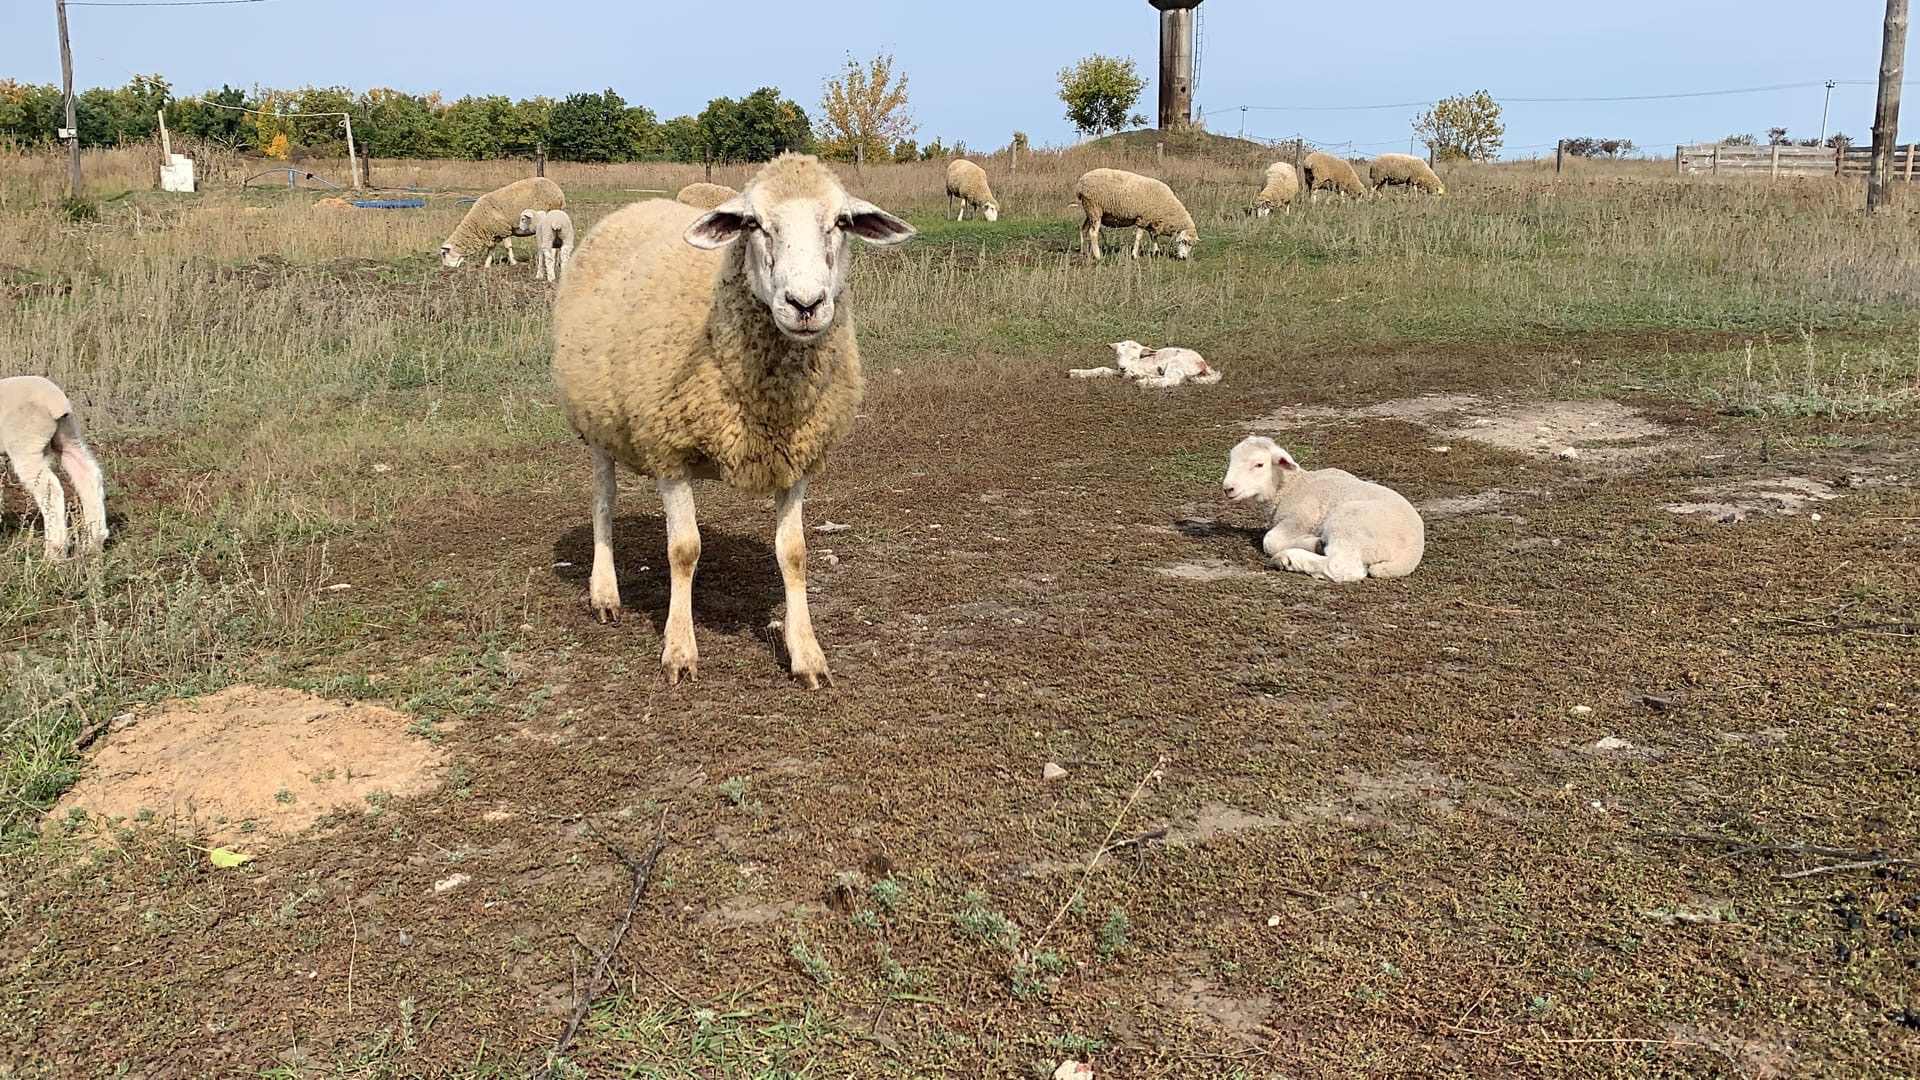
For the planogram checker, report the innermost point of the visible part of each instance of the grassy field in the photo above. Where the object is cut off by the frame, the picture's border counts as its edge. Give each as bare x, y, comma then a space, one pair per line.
1364, 830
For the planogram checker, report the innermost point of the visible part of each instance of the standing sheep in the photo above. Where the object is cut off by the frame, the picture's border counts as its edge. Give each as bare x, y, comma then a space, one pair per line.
1404, 170
968, 182
37, 420
552, 232
1324, 172
717, 346
704, 196
1116, 198
495, 216
1283, 183
1327, 523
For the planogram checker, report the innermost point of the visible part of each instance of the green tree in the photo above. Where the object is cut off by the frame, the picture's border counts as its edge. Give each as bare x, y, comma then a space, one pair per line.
29, 114
590, 127
683, 139
863, 110
1465, 126
1100, 92
757, 127
400, 125
216, 117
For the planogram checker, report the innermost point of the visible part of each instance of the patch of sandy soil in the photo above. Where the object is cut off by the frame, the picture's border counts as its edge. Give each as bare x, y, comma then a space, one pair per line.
1199, 995
1601, 431
1211, 568
1757, 1056
276, 758
1735, 502
1363, 798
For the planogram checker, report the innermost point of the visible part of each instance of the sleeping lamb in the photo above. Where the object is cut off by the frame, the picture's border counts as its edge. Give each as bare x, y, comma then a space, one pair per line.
1326, 523
1166, 366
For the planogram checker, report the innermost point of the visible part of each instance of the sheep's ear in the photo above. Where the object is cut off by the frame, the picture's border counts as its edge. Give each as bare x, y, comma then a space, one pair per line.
718, 226
872, 224
1283, 460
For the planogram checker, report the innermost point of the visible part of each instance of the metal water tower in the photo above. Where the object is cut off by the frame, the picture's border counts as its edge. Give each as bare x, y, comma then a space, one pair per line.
1176, 61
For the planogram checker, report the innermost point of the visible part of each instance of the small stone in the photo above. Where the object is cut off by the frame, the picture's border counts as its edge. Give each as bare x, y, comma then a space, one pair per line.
1052, 771
1567, 452
339, 586
1440, 449
1273, 920
1610, 743
453, 882
1073, 1070
1813, 517
1581, 710
831, 527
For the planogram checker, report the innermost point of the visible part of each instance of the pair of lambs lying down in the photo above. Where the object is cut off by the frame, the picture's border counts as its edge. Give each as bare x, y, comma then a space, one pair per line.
1327, 523
552, 232
1148, 368
495, 216
716, 345
37, 422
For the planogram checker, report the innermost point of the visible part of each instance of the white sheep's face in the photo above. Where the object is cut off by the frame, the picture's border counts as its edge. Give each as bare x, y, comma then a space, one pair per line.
529, 221
449, 258
1257, 465
993, 212
1125, 352
1183, 245
796, 251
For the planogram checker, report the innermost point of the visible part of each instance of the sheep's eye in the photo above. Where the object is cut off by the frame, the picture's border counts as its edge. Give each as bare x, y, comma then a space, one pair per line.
844, 221
750, 224
1259, 464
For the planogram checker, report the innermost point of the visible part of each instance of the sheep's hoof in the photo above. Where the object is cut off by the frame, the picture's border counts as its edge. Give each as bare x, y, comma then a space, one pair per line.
815, 679
608, 614
676, 662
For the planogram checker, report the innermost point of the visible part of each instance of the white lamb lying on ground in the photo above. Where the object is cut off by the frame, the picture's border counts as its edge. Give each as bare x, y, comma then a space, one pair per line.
36, 421
1169, 366
1325, 522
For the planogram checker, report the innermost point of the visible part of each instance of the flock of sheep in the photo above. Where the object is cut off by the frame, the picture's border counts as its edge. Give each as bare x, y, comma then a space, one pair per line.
711, 337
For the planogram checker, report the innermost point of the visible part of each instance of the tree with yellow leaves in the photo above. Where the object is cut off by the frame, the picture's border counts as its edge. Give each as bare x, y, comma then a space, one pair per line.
864, 111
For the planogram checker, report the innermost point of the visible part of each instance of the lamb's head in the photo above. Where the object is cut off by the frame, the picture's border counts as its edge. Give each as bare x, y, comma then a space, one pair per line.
993, 211
793, 220
529, 223
450, 258
1183, 243
1258, 468
1126, 351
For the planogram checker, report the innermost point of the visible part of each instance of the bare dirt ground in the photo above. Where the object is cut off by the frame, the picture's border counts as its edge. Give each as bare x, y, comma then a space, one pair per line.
1526, 812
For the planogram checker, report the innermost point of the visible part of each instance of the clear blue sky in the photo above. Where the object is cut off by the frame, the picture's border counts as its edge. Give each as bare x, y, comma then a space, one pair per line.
980, 69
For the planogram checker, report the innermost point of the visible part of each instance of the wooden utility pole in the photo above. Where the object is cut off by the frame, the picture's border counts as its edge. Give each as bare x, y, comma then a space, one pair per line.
66, 85
1559, 155
1886, 107
353, 163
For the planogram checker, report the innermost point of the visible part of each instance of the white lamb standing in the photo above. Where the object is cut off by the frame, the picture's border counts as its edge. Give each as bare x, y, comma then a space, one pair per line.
37, 422
1326, 523
967, 182
717, 345
1165, 366
552, 232
495, 216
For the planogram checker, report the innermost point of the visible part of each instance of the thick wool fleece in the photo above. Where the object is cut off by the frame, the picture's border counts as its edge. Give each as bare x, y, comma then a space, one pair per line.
496, 214
1404, 169
966, 180
704, 196
1326, 172
1119, 198
1283, 183
666, 360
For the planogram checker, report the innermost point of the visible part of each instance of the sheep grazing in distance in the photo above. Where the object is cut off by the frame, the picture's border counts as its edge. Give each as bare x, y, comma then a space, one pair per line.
1116, 198
968, 183
552, 232
1149, 368
1325, 172
717, 345
704, 196
1283, 183
495, 216
37, 422
1326, 523
1404, 170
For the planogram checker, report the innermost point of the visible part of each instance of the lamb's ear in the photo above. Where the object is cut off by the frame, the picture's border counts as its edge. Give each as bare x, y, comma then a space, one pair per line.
718, 226
1283, 460
872, 224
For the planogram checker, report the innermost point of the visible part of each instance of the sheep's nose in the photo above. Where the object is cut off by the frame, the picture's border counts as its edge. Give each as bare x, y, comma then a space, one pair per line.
806, 309
1230, 490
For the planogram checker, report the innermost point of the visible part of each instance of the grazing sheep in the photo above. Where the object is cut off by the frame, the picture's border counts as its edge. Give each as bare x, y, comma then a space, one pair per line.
704, 196
1324, 172
1404, 170
552, 232
493, 217
1283, 183
36, 421
1117, 198
718, 346
1325, 522
968, 182
1165, 366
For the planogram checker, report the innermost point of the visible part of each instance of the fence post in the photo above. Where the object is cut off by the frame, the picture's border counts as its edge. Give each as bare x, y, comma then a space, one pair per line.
1776, 161
366, 164
1714, 168
540, 159
1679, 161
1909, 175
1559, 154
859, 162
707, 153
1159, 155
1840, 160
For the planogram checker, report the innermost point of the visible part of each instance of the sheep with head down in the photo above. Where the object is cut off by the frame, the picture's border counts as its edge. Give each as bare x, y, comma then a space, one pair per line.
1404, 170
967, 182
716, 345
1116, 198
495, 216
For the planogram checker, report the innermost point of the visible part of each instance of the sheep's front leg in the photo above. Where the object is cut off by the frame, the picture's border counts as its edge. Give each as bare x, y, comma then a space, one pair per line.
1288, 535
508, 241
603, 588
47, 494
790, 545
1092, 372
681, 656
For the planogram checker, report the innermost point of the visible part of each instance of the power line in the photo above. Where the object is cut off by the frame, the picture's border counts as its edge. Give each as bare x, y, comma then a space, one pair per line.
1669, 97
1553, 100
162, 3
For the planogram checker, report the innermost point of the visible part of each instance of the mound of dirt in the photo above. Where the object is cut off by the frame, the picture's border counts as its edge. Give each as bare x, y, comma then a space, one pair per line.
253, 762
1599, 430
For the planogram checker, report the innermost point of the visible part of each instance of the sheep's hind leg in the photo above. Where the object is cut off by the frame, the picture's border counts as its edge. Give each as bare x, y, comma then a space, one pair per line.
1340, 563
84, 471
44, 486
603, 588
681, 656
790, 544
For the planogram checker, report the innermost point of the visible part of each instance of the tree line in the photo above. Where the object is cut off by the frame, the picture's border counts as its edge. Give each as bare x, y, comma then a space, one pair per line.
591, 127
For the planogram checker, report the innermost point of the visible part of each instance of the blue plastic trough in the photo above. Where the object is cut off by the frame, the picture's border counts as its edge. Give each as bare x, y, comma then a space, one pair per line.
390, 204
